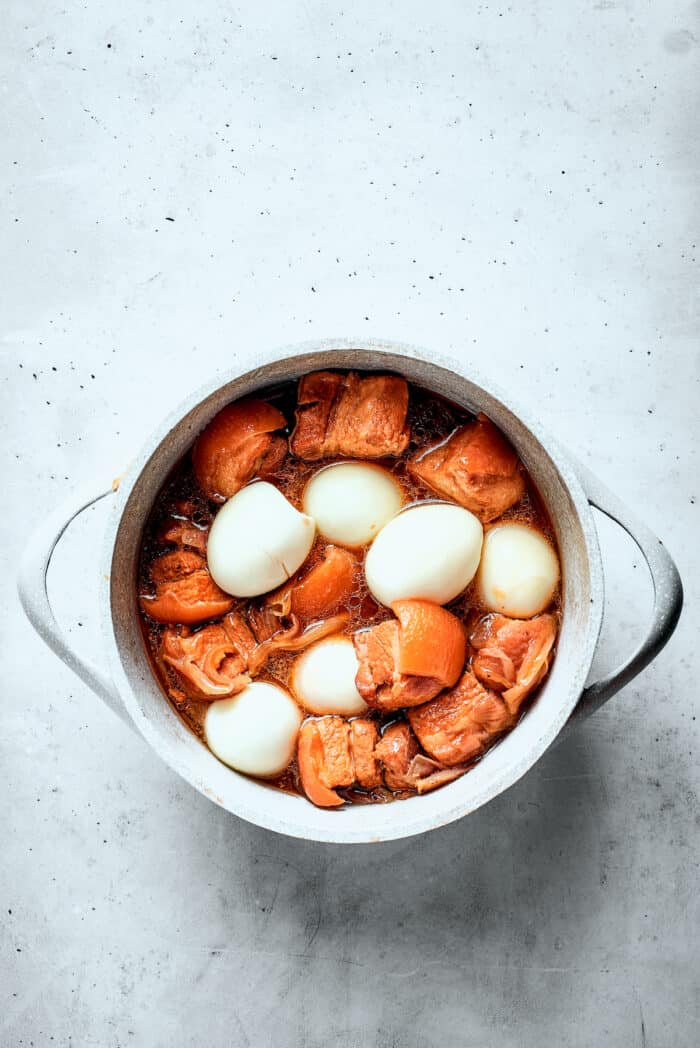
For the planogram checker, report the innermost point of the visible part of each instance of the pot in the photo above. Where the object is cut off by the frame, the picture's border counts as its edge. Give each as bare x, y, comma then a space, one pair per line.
129, 687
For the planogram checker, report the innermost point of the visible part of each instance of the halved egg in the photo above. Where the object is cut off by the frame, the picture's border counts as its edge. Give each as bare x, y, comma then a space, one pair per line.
519, 571
430, 551
255, 731
257, 541
323, 678
351, 501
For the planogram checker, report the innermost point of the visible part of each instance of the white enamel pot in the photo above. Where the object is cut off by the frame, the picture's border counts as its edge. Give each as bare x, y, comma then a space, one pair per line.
125, 680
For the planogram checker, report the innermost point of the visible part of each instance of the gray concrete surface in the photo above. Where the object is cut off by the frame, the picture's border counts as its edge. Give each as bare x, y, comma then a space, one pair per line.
184, 183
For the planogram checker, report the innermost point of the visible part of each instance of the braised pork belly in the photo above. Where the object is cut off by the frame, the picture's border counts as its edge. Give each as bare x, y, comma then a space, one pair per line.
406, 695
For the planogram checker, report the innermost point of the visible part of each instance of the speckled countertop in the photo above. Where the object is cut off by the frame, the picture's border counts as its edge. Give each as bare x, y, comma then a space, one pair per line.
184, 184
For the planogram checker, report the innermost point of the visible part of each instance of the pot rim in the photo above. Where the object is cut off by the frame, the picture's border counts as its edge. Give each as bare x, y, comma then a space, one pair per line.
403, 827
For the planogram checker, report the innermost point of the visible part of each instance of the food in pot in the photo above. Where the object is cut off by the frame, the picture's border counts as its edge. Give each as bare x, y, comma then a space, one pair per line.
350, 588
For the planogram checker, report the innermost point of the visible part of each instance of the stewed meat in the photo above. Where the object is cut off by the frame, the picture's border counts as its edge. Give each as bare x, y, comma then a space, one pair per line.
476, 467
406, 662
323, 590
334, 752
178, 532
459, 725
378, 680
396, 749
213, 662
349, 415
184, 590
405, 768
512, 655
363, 740
237, 445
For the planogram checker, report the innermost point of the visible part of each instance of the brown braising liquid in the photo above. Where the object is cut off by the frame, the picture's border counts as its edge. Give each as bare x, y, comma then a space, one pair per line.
432, 418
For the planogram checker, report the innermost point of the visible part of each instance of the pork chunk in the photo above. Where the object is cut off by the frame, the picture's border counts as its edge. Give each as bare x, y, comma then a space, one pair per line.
176, 564
460, 724
512, 655
333, 753
363, 739
178, 532
476, 467
348, 415
378, 680
325, 588
213, 662
336, 768
237, 445
406, 768
396, 750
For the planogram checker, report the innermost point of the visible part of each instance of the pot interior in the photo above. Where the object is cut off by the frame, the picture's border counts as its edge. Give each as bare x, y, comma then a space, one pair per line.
501, 766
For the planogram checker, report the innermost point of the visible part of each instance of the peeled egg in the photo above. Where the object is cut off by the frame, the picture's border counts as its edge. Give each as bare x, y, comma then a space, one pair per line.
255, 731
430, 551
351, 501
323, 678
257, 541
519, 571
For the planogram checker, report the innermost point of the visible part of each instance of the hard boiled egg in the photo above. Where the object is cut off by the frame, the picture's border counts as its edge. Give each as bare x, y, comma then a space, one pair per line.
323, 678
430, 551
255, 731
257, 541
519, 571
351, 501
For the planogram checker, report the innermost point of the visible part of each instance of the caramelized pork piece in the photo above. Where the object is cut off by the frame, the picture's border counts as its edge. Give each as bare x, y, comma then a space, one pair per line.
294, 638
237, 445
476, 467
189, 598
333, 753
348, 415
175, 565
323, 758
378, 679
427, 774
407, 662
461, 724
219, 660
431, 641
512, 655
407, 769
363, 740
396, 750
178, 532
212, 663
324, 589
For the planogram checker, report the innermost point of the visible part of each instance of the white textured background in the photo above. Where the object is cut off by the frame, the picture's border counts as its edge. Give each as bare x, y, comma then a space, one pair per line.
183, 183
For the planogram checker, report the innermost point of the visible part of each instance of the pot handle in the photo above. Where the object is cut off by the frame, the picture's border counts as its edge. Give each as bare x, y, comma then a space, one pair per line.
668, 596
33, 594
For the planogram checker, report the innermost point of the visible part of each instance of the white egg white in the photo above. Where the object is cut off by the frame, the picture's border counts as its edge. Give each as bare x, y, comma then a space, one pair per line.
429, 551
323, 678
257, 541
519, 571
255, 731
351, 501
